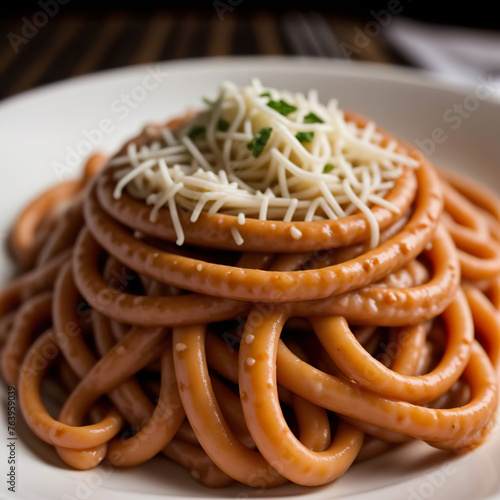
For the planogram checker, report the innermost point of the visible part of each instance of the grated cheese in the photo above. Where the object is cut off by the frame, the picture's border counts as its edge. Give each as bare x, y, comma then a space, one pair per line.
250, 361
296, 233
342, 169
237, 236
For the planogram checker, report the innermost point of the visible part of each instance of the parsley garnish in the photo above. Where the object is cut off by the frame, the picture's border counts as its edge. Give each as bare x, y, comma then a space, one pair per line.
304, 136
312, 118
259, 141
265, 94
282, 107
222, 125
196, 131
208, 101
328, 168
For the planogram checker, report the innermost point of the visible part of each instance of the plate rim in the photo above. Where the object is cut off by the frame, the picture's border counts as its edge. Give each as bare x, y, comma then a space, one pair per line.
358, 69
377, 70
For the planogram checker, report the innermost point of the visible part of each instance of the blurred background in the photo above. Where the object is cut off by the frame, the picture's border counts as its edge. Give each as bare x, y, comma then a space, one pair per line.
43, 41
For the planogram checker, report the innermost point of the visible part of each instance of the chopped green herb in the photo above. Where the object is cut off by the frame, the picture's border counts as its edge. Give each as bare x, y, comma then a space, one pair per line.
304, 136
196, 131
328, 168
208, 101
312, 118
265, 94
222, 125
282, 107
259, 141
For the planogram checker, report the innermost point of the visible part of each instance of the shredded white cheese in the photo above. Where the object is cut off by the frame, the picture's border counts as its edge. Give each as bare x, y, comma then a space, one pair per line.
237, 236
250, 361
180, 347
296, 233
262, 153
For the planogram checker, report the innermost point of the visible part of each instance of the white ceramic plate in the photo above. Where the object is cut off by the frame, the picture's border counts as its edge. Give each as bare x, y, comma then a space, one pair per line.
40, 128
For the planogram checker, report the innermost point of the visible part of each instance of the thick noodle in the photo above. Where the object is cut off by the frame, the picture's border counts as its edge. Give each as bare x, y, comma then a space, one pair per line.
271, 361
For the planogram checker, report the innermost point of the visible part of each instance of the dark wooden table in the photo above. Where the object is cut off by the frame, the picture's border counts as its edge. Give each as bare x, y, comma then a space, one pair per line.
68, 44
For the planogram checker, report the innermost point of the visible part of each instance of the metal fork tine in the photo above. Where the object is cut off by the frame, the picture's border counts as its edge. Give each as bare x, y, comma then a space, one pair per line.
320, 27
291, 32
299, 35
313, 41
310, 35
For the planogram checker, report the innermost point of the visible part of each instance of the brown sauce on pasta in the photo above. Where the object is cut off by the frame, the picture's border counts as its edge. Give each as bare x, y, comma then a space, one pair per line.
265, 362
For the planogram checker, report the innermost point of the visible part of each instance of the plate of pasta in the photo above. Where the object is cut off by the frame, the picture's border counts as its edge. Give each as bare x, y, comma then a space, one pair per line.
251, 278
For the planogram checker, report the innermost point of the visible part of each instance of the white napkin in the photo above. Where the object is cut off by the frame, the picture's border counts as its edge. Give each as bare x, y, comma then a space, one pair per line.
459, 54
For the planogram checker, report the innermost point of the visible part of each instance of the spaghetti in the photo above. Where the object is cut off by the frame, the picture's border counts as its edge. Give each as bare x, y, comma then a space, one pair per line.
265, 291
